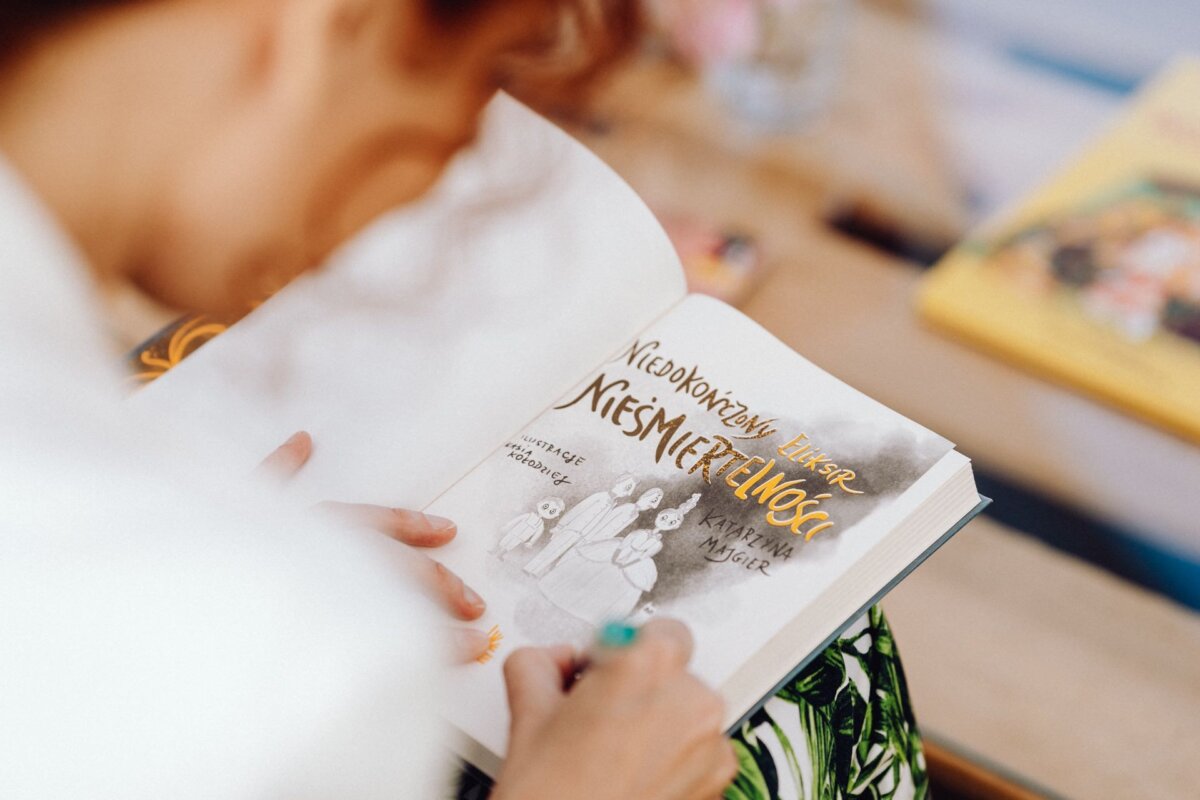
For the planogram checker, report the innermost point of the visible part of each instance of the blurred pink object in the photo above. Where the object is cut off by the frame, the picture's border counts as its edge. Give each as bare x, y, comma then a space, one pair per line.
773, 62
1131, 303
718, 262
710, 31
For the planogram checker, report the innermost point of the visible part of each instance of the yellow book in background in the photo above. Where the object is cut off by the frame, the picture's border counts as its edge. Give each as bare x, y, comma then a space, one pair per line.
1095, 279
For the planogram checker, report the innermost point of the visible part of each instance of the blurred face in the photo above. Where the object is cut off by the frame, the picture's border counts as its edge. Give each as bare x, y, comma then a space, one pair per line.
624, 487
650, 499
550, 509
668, 520
340, 110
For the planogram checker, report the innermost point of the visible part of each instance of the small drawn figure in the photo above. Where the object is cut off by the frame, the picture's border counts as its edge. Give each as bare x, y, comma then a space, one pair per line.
578, 522
621, 517
643, 614
604, 580
527, 528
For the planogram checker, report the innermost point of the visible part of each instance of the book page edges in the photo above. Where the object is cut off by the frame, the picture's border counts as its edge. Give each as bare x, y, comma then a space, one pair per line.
947, 509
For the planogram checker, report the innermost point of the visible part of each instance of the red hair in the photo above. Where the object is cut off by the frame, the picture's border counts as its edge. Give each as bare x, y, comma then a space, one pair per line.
582, 40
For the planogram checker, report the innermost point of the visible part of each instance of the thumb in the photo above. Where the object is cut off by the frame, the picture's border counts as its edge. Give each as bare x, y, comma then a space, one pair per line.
536, 678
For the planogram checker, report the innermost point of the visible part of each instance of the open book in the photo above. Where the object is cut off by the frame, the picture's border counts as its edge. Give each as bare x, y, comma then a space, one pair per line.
518, 353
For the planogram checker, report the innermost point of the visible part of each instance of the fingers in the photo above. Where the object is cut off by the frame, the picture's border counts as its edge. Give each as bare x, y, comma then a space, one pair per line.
535, 677
706, 771
714, 766
657, 660
707, 760
702, 708
638, 724
447, 588
723, 765
289, 457
665, 643
468, 644
419, 530
411, 527
654, 672
567, 660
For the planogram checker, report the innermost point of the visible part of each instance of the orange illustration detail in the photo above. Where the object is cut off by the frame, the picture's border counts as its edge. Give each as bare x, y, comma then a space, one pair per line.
186, 338
494, 637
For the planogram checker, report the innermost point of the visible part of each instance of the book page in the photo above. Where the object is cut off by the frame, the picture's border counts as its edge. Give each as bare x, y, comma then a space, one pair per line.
441, 330
706, 472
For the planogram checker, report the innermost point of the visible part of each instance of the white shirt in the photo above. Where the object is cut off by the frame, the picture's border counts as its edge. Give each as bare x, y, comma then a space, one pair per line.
166, 629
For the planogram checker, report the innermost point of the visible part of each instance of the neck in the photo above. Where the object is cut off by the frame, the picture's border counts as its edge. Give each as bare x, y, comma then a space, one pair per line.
94, 116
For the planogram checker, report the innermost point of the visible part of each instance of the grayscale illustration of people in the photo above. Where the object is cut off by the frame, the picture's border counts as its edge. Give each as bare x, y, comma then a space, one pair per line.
621, 517
604, 580
577, 523
527, 528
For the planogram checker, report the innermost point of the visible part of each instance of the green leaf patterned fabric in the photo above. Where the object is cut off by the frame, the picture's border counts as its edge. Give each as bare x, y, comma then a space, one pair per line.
843, 728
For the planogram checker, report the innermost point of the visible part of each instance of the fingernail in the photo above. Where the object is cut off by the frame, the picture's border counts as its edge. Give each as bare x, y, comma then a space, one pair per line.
296, 437
438, 523
469, 644
473, 599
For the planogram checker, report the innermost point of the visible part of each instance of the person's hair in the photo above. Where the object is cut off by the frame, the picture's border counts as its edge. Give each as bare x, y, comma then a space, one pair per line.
585, 39
22, 21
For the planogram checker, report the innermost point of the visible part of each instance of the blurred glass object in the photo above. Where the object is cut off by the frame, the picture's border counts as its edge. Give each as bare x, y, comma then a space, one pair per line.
775, 63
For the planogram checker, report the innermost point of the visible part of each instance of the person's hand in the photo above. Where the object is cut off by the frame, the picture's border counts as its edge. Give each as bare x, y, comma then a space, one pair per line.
637, 725
410, 527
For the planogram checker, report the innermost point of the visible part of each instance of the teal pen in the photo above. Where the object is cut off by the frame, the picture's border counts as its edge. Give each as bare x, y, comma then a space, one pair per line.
611, 638
614, 636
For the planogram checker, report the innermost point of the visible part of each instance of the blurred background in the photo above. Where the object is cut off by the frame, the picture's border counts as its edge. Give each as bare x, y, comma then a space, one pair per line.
811, 159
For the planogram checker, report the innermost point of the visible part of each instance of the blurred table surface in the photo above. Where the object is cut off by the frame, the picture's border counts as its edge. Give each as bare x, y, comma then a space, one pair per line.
1049, 667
